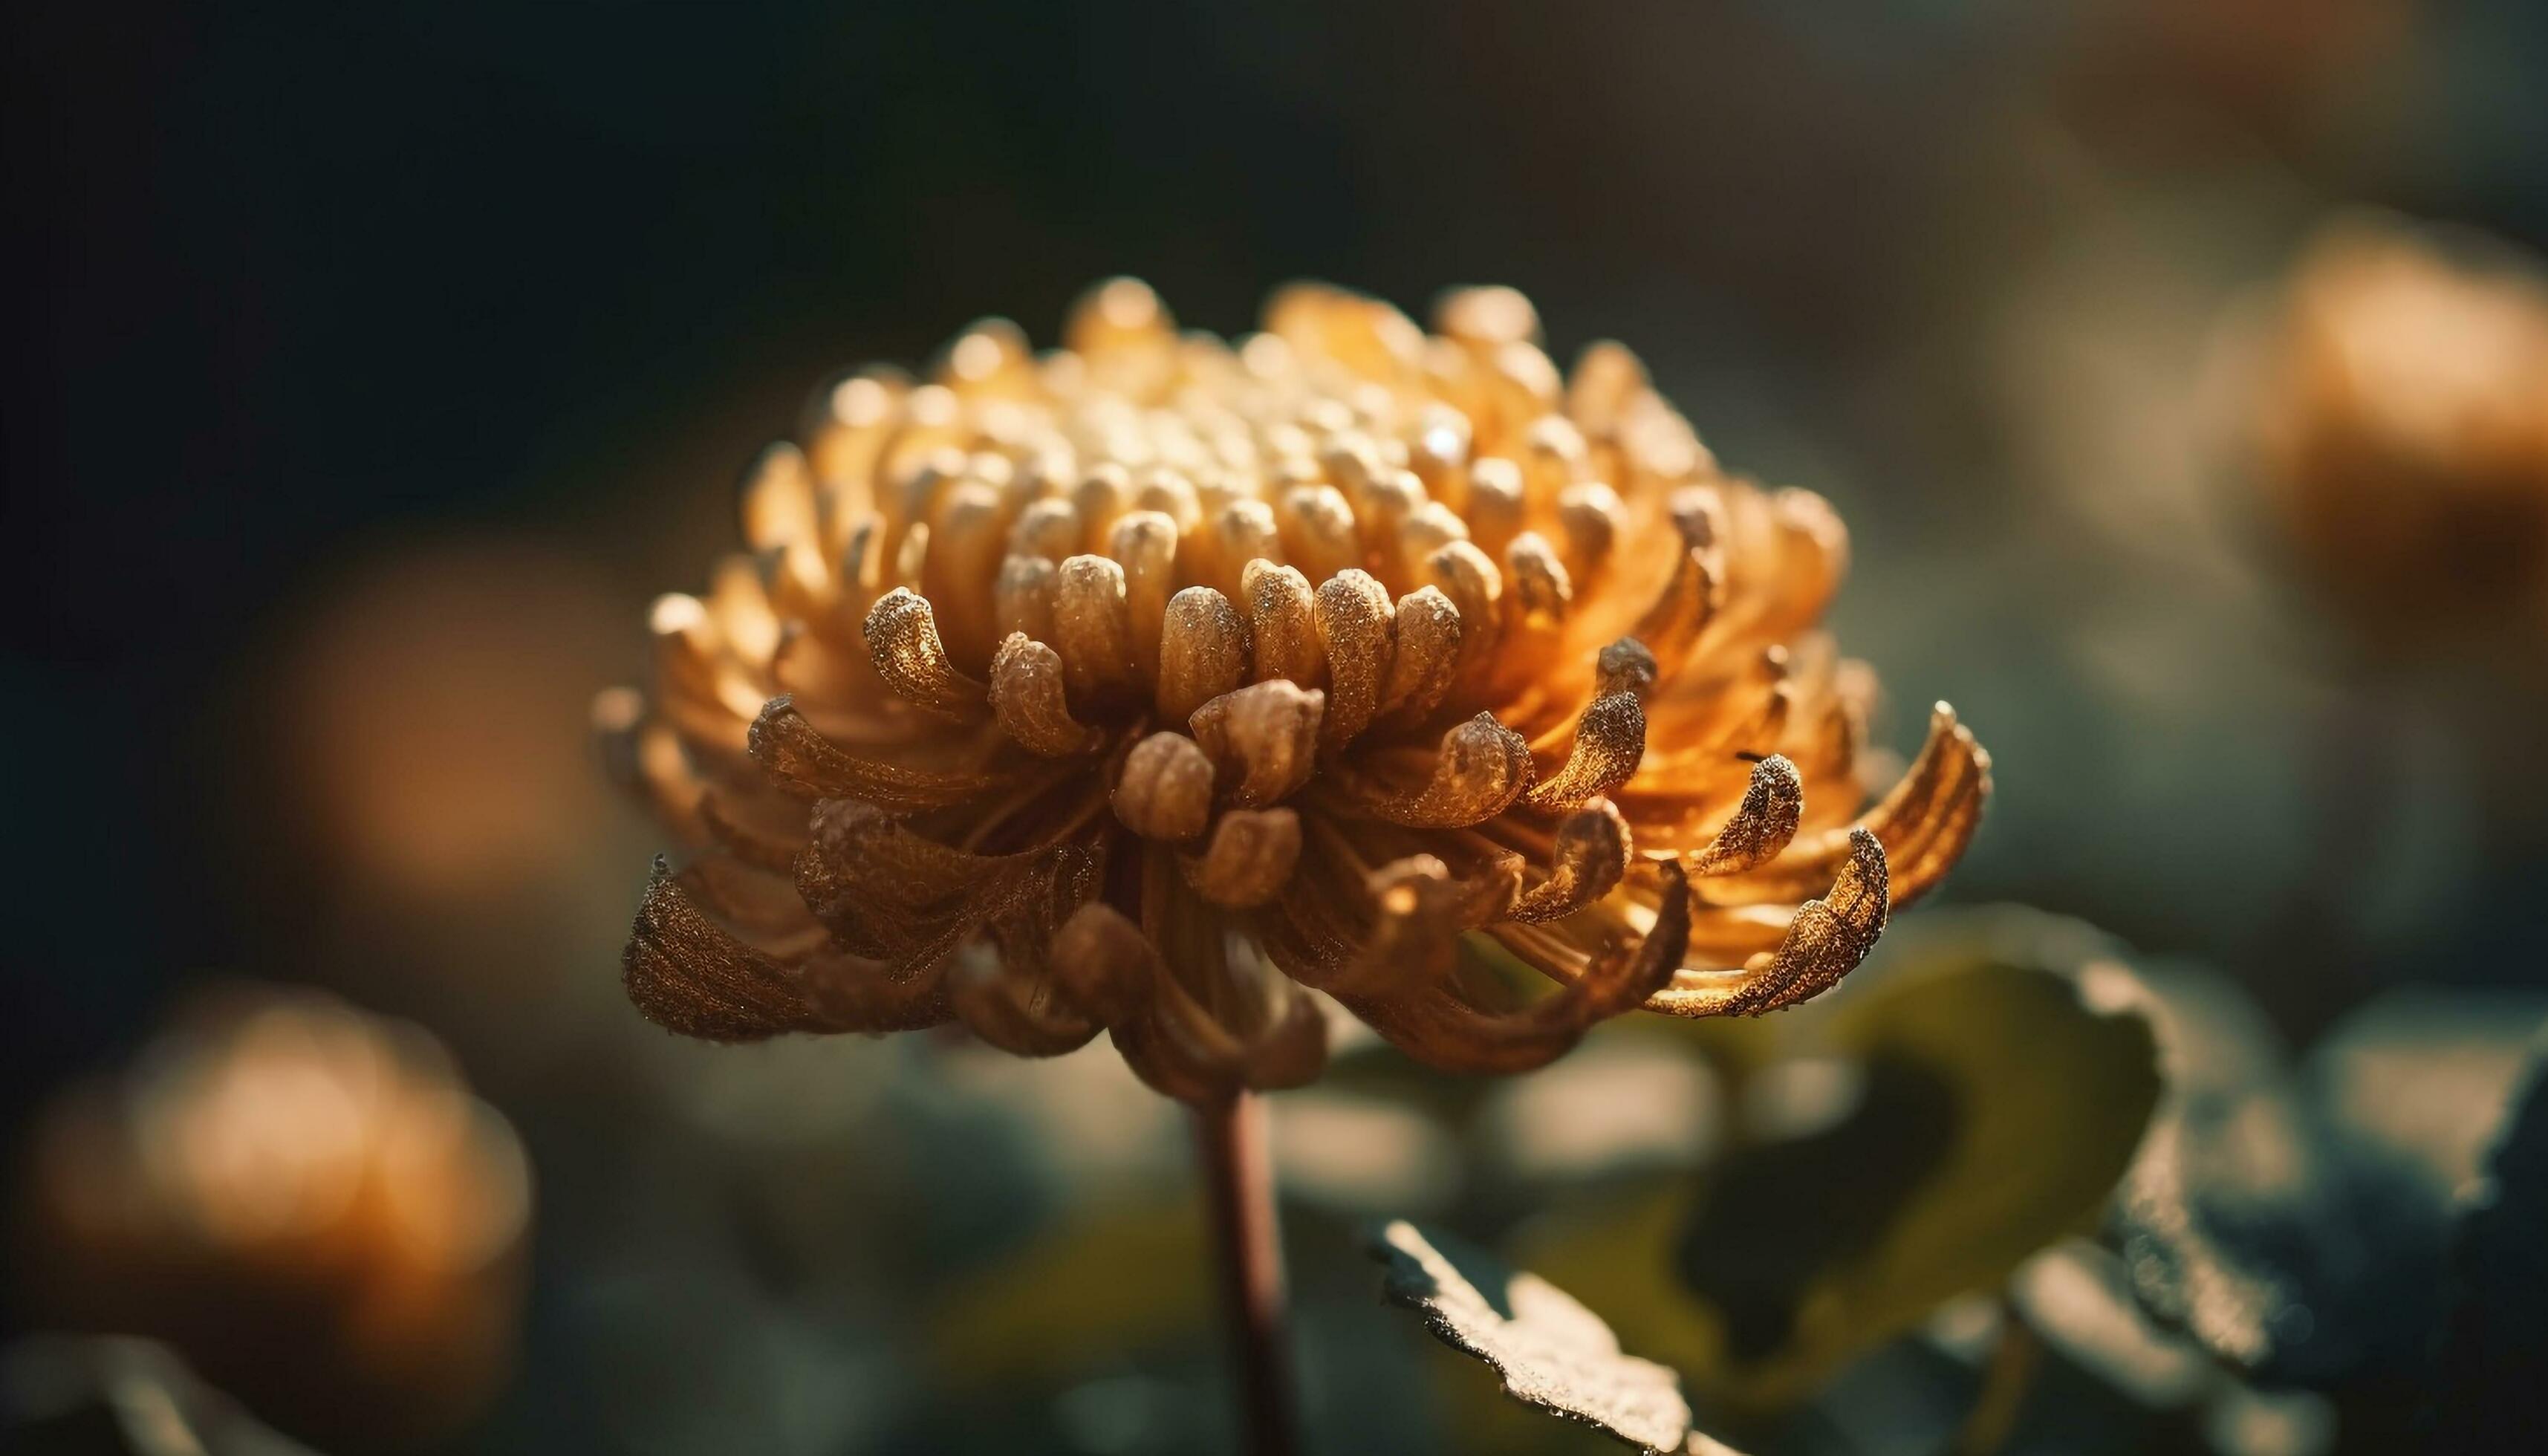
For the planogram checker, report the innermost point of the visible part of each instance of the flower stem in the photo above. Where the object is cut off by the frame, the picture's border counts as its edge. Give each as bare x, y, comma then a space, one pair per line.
2006, 1379
1238, 1187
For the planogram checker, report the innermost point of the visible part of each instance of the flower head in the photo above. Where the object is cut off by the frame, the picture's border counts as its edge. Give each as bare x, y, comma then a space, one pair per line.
2403, 421
1137, 685
306, 1199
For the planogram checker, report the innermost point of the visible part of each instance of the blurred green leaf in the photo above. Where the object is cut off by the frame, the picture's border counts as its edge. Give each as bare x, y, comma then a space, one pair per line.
2297, 1225
2487, 1390
1997, 1108
1104, 1285
119, 1394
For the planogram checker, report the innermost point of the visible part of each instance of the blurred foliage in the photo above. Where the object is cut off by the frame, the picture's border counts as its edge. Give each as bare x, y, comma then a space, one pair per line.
1976, 1096
1993, 1110
2298, 1224
1110, 1281
2488, 1389
121, 1397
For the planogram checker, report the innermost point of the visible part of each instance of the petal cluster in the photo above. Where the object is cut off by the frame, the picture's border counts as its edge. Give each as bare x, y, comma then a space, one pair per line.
1143, 685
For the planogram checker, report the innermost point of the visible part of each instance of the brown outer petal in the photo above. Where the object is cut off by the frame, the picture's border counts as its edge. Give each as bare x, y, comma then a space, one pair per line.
852, 994
1163, 791
687, 974
1018, 1014
1181, 1051
1264, 737
755, 905
763, 830
1104, 961
1435, 1025
811, 766
1030, 696
1249, 859
1420, 908
1020, 1000
889, 894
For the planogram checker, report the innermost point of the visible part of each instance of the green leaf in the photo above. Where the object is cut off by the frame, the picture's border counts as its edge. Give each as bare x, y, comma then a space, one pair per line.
2005, 1080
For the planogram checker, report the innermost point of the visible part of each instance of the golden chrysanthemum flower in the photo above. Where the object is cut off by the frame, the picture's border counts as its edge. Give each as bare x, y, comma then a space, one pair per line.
306, 1199
2402, 412
1137, 685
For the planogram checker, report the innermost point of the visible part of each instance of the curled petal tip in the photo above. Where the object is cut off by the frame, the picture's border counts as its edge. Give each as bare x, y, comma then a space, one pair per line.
1203, 651
1610, 744
1165, 792
1249, 859
1625, 666
1103, 962
1357, 628
1481, 769
1013, 1011
1589, 859
1029, 695
902, 640
1269, 732
1762, 824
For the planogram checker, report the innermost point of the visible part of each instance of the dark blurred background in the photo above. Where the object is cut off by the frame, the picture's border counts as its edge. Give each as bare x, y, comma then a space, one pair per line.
376, 365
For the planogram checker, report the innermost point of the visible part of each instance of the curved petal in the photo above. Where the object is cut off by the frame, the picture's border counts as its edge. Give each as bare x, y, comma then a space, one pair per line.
1018, 1014
1825, 941
1437, 1025
1762, 824
855, 994
889, 894
810, 766
1588, 859
1481, 767
1924, 823
1272, 1035
902, 640
689, 975
1609, 743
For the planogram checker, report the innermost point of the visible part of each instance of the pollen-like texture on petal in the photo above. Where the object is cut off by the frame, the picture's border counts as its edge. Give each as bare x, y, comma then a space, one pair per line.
1160, 686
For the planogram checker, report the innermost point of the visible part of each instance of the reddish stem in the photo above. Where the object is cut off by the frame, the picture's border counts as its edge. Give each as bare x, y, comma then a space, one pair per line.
1238, 1187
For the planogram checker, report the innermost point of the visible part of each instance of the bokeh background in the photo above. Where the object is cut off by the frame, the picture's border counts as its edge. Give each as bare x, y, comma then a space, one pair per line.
378, 365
